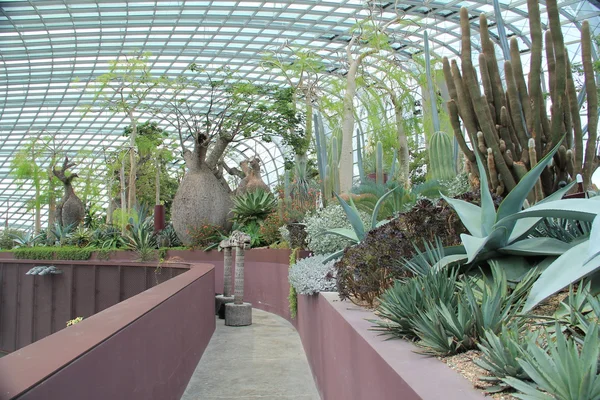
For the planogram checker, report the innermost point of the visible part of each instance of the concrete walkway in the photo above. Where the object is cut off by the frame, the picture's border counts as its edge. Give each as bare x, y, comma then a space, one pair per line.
263, 361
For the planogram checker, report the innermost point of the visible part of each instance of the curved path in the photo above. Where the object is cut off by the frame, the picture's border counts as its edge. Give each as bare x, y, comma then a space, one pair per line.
264, 361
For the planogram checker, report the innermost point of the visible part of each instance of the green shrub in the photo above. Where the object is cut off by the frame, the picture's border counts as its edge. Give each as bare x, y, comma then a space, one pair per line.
35, 253
73, 253
53, 253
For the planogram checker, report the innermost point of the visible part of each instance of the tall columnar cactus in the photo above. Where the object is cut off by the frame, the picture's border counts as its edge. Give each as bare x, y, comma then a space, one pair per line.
379, 164
441, 157
393, 166
327, 192
510, 128
334, 169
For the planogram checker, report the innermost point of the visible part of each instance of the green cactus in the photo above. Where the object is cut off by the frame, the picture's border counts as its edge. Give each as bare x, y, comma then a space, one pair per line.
392, 173
321, 153
327, 193
334, 170
509, 123
441, 156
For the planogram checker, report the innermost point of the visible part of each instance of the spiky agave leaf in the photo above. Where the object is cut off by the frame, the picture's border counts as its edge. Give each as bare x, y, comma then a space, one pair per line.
563, 371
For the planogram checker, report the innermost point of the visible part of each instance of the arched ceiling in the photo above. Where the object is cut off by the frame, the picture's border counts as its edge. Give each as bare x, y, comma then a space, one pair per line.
51, 49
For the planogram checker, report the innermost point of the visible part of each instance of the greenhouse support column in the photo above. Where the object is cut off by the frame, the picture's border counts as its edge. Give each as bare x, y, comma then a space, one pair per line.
226, 297
239, 313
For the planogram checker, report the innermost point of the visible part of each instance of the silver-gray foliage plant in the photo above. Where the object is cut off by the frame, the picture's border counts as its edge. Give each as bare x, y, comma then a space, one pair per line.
309, 275
330, 217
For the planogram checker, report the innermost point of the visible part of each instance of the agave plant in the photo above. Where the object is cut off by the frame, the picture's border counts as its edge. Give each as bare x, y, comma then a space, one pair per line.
449, 315
108, 237
140, 236
253, 206
578, 262
359, 229
369, 192
25, 239
407, 299
168, 237
495, 232
81, 237
62, 234
500, 354
564, 371
577, 312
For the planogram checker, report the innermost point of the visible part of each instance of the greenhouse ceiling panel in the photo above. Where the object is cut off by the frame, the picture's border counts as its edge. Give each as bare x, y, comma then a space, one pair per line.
51, 50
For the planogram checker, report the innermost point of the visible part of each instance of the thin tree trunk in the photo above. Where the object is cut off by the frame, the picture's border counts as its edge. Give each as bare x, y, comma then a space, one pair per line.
123, 197
109, 210
157, 181
132, 163
309, 122
403, 157
38, 192
38, 218
346, 167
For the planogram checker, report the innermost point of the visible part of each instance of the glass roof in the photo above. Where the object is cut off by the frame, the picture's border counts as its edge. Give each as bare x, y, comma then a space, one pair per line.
50, 50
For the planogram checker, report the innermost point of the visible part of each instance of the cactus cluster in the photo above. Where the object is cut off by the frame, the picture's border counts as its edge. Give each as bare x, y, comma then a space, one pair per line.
328, 165
510, 128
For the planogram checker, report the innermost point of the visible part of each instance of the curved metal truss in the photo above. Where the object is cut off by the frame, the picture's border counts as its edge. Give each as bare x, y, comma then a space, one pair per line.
50, 49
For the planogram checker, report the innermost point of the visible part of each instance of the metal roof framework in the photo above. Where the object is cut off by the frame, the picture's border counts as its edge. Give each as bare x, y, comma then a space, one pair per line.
50, 50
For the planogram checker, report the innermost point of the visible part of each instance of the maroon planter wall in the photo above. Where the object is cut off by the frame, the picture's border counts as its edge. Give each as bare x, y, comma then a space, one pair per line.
146, 347
349, 361
33, 306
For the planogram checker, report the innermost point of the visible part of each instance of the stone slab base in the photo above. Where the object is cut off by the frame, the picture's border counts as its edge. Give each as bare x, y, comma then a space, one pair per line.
238, 314
220, 302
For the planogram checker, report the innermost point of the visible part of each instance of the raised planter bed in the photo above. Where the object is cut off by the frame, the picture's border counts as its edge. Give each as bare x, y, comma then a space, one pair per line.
350, 361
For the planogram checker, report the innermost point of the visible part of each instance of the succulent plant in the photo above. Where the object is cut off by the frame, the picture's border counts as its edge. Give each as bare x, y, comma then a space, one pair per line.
565, 370
310, 275
253, 206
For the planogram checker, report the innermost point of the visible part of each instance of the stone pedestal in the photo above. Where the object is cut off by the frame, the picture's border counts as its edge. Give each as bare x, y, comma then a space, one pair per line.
220, 302
238, 314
